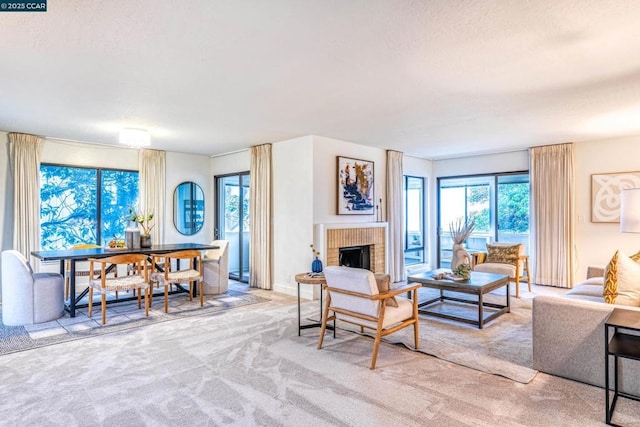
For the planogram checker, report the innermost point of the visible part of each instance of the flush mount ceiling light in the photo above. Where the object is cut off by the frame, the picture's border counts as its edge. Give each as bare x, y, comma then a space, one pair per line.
135, 138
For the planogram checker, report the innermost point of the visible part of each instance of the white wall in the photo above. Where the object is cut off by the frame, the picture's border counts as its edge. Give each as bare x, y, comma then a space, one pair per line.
231, 163
293, 204
325, 176
305, 193
89, 155
188, 167
597, 242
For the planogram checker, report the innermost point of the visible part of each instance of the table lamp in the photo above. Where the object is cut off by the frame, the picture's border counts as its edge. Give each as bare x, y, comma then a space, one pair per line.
630, 210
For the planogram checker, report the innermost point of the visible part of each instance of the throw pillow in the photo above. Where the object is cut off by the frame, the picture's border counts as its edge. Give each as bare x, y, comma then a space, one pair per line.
384, 284
503, 254
622, 280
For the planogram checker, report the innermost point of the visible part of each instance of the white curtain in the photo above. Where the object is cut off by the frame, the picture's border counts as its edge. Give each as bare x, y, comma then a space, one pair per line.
152, 184
260, 193
552, 212
395, 215
25, 163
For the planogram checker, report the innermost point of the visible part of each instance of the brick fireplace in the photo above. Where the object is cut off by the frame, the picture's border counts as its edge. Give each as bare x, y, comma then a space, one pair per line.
332, 237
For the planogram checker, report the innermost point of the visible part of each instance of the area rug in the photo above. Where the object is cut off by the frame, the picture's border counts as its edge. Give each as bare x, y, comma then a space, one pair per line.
121, 316
503, 347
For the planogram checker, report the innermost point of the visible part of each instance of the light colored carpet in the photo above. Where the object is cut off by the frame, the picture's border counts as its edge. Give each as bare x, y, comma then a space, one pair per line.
120, 316
503, 347
247, 366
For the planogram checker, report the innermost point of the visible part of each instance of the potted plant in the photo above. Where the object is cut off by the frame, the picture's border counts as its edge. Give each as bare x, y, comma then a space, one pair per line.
460, 230
145, 221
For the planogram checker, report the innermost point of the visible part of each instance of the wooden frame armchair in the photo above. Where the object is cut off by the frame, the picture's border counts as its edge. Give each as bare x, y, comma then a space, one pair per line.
353, 297
170, 277
104, 284
502, 260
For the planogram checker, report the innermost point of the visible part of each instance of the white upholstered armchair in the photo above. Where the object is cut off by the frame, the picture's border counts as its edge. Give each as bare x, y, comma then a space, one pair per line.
353, 296
29, 297
216, 268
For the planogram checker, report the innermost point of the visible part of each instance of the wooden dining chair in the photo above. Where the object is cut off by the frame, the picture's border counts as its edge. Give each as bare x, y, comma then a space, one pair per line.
103, 284
174, 276
81, 272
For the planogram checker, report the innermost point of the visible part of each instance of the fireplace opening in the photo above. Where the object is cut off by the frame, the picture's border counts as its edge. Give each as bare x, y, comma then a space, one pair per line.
355, 256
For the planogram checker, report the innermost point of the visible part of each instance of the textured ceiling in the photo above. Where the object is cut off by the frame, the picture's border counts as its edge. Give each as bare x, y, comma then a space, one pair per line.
433, 78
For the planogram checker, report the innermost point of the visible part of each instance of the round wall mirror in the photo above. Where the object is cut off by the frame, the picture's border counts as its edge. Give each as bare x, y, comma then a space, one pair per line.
188, 208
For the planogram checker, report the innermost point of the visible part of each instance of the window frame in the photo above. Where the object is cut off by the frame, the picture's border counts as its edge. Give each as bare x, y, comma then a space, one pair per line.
406, 249
493, 180
99, 190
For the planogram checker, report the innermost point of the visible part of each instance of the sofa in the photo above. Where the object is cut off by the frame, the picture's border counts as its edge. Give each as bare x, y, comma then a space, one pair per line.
568, 335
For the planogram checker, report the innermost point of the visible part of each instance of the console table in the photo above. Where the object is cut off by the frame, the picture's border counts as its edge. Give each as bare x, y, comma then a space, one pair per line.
620, 344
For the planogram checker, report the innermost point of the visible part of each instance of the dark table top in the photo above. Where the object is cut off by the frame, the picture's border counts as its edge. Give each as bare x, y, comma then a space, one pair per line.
620, 317
477, 280
83, 254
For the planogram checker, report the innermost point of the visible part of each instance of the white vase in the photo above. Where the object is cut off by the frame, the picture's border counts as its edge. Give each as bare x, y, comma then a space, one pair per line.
459, 256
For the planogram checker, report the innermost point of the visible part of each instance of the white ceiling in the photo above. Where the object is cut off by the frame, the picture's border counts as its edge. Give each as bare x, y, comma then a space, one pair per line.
433, 78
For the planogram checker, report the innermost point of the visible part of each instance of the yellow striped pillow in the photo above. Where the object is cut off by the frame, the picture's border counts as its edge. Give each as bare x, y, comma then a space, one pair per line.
622, 280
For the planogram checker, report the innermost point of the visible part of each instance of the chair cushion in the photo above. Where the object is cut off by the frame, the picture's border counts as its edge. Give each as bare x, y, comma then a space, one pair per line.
184, 276
181, 276
392, 315
384, 284
497, 268
592, 287
503, 253
124, 283
622, 280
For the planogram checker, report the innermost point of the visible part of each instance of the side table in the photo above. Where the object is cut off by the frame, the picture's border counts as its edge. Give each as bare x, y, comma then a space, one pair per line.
308, 279
620, 344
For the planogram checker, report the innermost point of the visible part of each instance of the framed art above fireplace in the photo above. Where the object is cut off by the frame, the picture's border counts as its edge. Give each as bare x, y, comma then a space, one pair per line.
355, 187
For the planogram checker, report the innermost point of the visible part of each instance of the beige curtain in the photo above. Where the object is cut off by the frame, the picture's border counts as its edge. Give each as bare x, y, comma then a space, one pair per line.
552, 211
152, 184
395, 215
25, 163
260, 193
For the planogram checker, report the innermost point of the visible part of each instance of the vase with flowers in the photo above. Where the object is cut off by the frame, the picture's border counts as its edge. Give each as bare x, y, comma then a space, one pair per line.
316, 264
145, 221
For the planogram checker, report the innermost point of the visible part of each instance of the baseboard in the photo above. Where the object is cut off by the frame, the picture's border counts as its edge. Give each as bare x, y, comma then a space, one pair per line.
307, 292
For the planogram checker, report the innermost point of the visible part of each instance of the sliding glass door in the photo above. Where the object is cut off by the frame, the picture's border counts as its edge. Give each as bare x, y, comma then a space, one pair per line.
499, 203
414, 248
232, 221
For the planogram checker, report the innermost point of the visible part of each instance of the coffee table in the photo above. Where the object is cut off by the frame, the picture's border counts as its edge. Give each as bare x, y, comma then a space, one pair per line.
479, 284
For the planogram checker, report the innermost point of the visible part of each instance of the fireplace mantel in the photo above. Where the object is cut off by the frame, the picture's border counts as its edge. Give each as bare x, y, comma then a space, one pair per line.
331, 237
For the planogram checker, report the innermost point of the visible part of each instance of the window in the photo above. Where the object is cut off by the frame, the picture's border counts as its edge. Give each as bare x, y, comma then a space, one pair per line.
414, 220
84, 205
498, 202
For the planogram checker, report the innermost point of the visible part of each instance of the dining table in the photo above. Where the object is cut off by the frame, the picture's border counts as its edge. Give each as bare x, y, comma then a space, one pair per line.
75, 255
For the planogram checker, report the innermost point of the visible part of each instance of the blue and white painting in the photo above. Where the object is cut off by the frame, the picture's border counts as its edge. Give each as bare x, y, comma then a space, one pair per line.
355, 187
